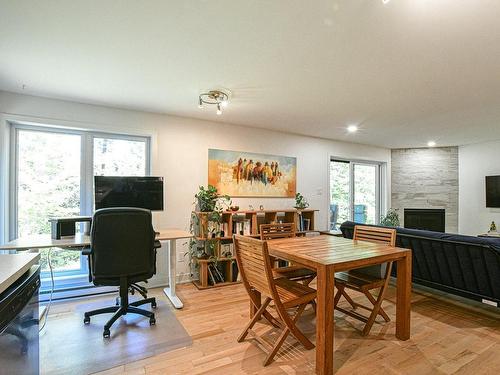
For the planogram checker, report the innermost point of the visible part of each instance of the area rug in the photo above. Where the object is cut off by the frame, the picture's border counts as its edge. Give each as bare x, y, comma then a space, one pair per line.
67, 346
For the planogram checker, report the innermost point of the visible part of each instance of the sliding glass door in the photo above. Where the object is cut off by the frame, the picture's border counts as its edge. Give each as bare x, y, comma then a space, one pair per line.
53, 173
355, 189
366, 194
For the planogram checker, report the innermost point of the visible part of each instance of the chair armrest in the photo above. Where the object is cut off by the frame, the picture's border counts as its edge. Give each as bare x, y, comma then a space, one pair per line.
157, 244
88, 252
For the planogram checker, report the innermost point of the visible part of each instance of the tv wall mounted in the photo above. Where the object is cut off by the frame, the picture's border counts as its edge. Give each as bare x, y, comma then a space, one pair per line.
493, 191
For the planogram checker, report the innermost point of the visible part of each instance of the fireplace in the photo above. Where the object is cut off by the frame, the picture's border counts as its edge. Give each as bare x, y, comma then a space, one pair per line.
425, 219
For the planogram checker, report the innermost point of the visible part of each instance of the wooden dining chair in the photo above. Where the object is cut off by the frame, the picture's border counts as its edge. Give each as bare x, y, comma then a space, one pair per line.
269, 232
366, 279
252, 256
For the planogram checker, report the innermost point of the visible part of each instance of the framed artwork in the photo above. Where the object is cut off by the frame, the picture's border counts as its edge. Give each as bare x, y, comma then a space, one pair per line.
246, 174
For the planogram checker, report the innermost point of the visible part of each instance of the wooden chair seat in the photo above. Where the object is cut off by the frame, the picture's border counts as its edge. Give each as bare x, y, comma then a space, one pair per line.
294, 273
358, 281
292, 293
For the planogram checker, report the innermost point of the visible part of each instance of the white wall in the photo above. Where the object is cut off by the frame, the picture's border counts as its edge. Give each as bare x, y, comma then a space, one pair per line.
180, 151
474, 163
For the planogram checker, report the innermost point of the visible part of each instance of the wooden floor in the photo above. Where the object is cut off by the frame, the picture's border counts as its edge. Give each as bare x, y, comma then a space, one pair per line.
447, 338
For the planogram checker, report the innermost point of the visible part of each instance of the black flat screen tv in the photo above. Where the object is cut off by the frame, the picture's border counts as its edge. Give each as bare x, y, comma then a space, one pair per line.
492, 191
140, 192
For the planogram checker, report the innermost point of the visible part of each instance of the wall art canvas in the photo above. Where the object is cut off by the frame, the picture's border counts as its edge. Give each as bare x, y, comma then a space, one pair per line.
246, 174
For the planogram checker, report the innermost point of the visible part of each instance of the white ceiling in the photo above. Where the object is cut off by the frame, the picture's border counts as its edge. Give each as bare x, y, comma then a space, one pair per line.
406, 72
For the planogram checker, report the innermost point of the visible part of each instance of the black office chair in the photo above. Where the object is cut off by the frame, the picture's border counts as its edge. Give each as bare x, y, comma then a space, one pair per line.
122, 253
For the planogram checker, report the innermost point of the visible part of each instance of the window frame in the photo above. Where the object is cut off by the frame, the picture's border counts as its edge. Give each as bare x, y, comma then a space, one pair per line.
380, 187
66, 278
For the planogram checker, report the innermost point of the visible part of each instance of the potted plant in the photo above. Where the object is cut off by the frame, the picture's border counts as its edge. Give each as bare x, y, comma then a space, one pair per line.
300, 202
209, 201
391, 219
206, 199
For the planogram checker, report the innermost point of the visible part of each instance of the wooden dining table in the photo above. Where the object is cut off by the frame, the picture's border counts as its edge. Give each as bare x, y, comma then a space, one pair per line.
329, 254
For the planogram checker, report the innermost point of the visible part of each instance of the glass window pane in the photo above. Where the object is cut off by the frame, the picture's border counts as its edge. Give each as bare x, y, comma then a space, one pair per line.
339, 193
119, 157
365, 193
48, 185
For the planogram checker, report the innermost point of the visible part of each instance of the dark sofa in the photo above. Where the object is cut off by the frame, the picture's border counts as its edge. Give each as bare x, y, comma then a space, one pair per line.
462, 265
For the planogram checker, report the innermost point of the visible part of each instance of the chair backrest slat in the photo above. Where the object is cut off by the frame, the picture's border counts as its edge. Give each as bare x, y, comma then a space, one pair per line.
375, 234
279, 230
254, 264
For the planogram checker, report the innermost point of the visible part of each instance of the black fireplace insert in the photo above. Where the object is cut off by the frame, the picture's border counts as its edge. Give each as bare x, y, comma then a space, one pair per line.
425, 219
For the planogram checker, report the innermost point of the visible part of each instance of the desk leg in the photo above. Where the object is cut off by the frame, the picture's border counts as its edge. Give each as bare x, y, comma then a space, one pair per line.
403, 298
324, 320
172, 272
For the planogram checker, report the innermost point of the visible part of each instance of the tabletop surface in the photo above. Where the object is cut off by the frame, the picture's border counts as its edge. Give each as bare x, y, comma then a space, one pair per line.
79, 240
331, 250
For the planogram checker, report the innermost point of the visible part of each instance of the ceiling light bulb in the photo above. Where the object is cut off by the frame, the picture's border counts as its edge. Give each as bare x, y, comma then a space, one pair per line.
352, 128
224, 103
200, 105
385, 1
431, 144
219, 112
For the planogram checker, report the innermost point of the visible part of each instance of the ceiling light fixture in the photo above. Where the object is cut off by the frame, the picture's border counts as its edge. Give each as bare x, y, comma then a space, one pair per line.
352, 128
431, 144
385, 1
214, 97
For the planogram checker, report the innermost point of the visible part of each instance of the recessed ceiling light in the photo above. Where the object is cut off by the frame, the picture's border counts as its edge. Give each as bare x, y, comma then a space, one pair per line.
431, 144
385, 1
352, 128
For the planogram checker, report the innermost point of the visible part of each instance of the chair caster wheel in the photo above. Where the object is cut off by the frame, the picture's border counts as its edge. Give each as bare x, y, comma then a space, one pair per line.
106, 334
152, 321
153, 305
86, 320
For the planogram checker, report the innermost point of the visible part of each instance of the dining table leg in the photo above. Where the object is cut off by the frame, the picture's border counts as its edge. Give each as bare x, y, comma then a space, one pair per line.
403, 297
324, 320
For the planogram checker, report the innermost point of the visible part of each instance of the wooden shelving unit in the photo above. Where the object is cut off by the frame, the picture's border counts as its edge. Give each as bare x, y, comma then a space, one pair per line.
304, 222
228, 268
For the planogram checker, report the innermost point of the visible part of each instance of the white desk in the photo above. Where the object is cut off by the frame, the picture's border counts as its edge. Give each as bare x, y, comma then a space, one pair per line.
81, 241
172, 235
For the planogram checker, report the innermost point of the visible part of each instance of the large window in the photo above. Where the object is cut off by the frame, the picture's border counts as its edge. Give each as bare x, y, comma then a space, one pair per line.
53, 173
355, 191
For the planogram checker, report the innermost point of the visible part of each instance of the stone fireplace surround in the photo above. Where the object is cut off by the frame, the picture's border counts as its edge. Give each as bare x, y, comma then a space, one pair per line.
426, 178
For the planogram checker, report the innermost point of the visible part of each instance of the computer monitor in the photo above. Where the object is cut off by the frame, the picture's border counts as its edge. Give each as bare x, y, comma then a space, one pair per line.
140, 192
